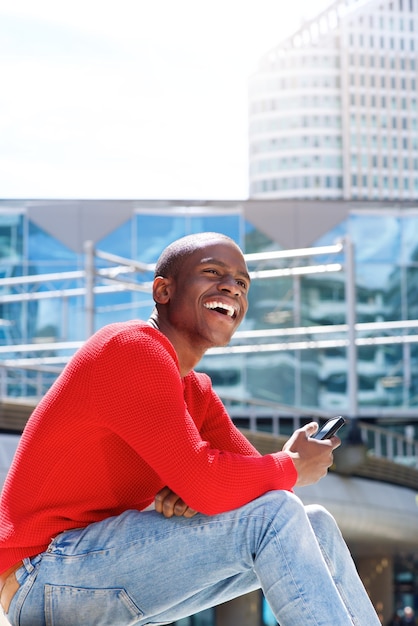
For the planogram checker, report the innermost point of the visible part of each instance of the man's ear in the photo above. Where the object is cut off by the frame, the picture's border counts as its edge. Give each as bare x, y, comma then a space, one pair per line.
161, 289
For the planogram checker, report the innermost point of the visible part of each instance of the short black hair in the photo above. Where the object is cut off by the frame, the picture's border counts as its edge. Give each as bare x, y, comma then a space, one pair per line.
173, 256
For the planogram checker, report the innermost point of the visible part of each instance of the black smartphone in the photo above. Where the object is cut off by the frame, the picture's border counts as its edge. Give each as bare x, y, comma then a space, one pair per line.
330, 428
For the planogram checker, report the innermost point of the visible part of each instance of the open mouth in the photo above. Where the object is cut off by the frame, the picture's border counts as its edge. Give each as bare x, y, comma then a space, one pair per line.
221, 307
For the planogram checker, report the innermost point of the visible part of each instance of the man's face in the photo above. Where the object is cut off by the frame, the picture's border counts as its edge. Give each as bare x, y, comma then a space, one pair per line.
209, 297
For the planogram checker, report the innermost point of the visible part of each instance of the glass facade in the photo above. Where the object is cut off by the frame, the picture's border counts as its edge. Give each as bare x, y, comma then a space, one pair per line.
289, 350
333, 109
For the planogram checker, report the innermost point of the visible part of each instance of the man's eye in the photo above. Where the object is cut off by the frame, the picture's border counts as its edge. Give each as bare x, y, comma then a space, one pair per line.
210, 270
242, 284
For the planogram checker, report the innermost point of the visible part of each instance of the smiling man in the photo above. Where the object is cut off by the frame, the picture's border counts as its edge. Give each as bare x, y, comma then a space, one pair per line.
130, 423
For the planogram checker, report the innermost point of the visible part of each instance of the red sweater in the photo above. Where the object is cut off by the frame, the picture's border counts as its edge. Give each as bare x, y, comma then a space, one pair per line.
117, 426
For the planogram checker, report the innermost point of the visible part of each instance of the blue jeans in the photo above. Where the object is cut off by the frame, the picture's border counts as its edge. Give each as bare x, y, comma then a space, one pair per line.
141, 568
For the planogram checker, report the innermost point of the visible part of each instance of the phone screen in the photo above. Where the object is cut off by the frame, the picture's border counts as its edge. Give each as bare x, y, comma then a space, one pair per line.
330, 428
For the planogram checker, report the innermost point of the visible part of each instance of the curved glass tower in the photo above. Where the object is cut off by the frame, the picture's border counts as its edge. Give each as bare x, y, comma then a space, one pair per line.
333, 109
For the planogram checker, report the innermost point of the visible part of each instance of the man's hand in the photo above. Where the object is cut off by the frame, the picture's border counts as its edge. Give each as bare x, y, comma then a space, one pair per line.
312, 457
168, 503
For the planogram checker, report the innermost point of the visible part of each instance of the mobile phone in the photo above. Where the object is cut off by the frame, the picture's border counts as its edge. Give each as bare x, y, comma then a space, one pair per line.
330, 428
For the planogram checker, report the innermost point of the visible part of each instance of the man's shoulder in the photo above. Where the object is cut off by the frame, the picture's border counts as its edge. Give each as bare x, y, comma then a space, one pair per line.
116, 328
131, 329
134, 334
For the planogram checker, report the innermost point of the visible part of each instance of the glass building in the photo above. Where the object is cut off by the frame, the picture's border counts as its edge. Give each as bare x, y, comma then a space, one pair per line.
292, 347
333, 109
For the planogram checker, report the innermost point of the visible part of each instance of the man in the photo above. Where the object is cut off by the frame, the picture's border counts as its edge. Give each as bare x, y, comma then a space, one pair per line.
128, 423
408, 616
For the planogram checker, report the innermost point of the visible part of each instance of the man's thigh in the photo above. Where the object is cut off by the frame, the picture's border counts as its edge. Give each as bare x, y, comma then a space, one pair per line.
145, 567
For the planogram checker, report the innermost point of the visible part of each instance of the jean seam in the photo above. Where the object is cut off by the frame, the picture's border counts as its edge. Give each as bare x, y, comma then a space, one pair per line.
299, 591
340, 588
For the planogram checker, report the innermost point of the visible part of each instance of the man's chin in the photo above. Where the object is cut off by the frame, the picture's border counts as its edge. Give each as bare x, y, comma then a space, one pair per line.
222, 342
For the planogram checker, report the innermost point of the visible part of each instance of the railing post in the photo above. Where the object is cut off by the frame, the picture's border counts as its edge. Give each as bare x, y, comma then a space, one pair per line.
89, 279
350, 294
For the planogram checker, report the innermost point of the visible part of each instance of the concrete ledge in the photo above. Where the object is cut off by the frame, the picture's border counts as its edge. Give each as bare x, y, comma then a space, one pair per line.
374, 517
14, 413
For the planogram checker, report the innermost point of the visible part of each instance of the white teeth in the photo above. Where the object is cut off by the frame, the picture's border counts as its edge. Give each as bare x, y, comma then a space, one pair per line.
220, 305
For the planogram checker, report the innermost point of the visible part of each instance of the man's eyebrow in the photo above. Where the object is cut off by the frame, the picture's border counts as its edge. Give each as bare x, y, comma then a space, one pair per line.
214, 261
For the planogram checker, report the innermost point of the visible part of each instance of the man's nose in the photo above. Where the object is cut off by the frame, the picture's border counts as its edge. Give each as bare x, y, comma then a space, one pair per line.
229, 284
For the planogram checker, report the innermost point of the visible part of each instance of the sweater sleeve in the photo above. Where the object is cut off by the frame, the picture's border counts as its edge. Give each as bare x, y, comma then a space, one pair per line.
214, 423
140, 396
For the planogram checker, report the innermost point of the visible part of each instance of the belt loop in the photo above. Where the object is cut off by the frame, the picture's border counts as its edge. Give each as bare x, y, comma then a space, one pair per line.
28, 565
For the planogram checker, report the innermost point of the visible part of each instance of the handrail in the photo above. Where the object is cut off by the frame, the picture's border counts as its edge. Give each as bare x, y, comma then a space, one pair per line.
264, 417
381, 442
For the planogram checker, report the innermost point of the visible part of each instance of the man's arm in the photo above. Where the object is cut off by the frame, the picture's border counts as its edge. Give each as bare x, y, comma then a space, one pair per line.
311, 462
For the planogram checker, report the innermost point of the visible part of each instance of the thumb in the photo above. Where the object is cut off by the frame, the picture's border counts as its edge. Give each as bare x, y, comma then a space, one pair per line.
310, 428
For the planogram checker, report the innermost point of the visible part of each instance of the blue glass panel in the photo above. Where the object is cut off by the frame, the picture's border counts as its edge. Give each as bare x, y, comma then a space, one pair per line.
42, 247
411, 293
156, 232
330, 237
376, 238
373, 276
11, 244
412, 384
225, 224
410, 239
122, 306
119, 241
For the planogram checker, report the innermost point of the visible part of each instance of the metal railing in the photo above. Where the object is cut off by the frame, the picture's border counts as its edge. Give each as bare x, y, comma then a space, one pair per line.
27, 370
257, 416
281, 420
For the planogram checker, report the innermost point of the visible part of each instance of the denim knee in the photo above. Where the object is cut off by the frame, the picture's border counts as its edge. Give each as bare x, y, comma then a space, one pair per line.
278, 498
319, 516
324, 525
279, 503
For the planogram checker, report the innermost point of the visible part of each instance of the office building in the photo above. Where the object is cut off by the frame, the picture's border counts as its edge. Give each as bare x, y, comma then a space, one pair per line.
333, 109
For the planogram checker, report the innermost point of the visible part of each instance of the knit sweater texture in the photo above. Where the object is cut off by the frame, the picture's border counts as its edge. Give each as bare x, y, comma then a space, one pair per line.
118, 425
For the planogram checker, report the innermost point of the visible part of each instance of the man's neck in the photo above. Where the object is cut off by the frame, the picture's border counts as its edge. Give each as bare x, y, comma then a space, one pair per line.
188, 356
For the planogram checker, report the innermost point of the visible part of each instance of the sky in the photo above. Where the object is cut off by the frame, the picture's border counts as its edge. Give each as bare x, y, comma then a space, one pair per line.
132, 99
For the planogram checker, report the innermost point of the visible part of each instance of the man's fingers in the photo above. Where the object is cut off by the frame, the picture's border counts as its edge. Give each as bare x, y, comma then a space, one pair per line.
180, 508
169, 503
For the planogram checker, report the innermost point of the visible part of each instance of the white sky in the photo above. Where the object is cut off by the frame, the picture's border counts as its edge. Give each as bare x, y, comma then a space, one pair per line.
132, 98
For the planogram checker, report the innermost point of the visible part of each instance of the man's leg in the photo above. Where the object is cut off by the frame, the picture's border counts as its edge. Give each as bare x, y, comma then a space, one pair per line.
339, 562
141, 568
307, 573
